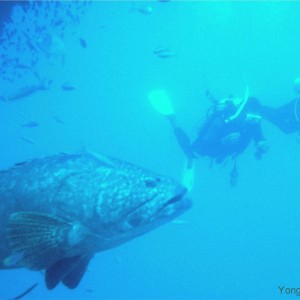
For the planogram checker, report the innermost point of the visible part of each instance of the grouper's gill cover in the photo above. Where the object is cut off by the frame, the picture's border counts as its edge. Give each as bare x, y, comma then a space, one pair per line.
134, 200
77, 205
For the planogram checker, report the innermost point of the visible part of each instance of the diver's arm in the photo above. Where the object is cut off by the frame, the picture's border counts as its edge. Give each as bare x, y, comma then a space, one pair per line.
284, 117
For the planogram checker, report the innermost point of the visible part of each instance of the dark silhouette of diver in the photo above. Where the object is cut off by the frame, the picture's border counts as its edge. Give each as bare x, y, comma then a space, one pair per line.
287, 116
231, 125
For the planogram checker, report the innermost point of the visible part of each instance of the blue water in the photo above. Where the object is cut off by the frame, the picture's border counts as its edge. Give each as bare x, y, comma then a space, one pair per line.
235, 243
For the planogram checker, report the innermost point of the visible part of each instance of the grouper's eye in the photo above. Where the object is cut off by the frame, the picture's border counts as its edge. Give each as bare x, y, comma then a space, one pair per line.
152, 182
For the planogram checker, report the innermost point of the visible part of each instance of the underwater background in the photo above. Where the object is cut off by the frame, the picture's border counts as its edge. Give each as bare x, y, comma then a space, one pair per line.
99, 61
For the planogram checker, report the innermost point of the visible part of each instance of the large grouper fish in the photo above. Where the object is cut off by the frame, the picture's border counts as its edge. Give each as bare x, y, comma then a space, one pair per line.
57, 212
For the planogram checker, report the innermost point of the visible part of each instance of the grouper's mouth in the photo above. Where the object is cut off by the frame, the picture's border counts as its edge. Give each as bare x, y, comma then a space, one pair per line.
176, 205
167, 211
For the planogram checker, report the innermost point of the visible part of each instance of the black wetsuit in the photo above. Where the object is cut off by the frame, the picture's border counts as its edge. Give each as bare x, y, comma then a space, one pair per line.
215, 138
285, 117
210, 140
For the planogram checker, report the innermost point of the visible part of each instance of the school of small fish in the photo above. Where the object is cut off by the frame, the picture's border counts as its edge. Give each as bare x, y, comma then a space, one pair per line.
28, 38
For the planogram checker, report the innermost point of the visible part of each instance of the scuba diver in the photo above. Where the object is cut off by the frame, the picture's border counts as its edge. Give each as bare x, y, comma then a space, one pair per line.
287, 116
231, 125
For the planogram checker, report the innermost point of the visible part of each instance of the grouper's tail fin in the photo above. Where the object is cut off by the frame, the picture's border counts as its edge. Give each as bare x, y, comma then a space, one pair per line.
160, 101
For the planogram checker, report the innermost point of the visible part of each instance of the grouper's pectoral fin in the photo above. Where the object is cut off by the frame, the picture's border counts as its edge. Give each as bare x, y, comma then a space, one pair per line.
74, 277
40, 239
68, 270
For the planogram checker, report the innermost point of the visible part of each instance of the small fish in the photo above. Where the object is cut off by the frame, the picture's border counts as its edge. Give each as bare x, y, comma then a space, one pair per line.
160, 50
58, 120
68, 86
23, 66
27, 140
30, 124
58, 22
26, 91
83, 43
166, 54
147, 10
25, 292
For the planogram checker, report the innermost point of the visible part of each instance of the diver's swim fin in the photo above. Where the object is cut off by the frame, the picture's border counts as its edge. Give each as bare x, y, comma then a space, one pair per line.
188, 175
161, 102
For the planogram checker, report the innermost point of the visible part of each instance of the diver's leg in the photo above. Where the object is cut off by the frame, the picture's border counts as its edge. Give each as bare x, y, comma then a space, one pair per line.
162, 104
185, 145
182, 138
282, 117
269, 113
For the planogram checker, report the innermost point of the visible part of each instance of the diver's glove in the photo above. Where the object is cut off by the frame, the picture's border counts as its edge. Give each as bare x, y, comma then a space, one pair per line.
262, 147
253, 118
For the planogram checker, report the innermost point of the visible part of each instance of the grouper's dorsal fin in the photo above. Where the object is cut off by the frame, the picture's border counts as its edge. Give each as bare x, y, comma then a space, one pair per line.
101, 158
40, 239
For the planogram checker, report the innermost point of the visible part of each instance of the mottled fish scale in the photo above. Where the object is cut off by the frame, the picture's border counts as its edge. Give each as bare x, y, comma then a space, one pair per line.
57, 212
